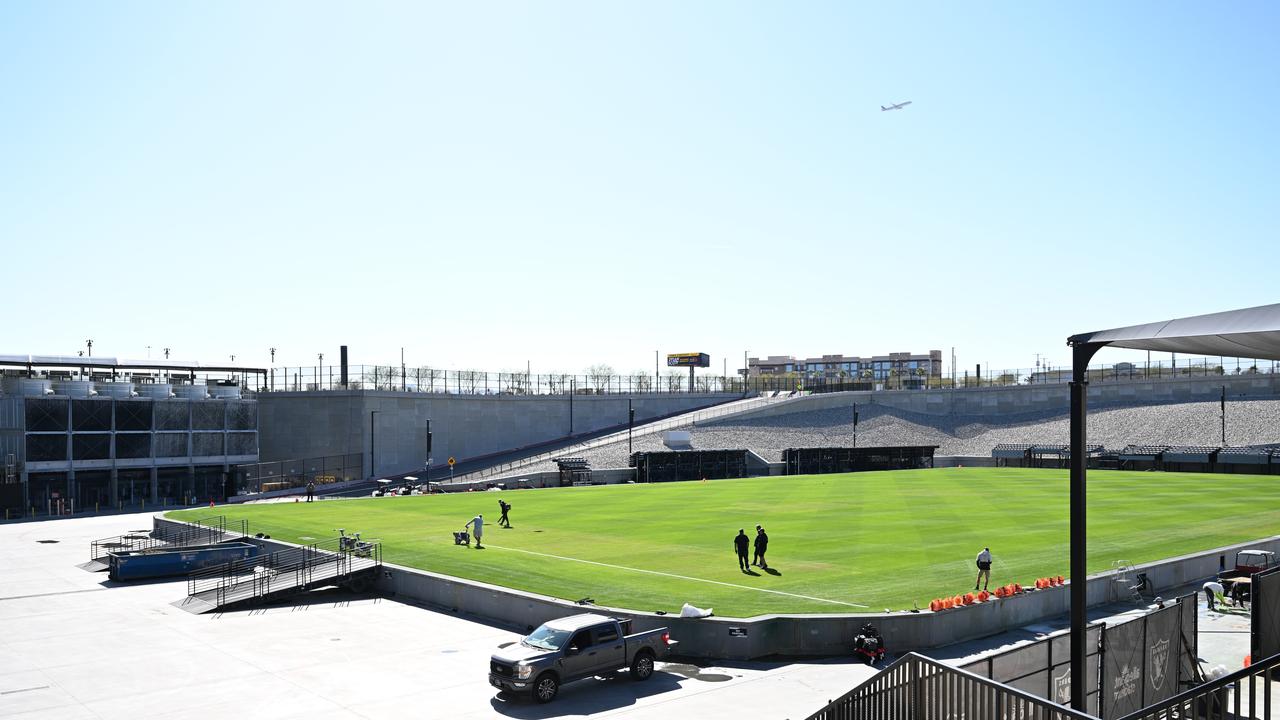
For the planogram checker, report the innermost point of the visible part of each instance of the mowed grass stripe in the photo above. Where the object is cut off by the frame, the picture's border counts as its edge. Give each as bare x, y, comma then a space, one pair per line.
678, 577
883, 539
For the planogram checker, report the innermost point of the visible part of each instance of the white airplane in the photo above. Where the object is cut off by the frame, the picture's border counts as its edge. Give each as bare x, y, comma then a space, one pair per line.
899, 106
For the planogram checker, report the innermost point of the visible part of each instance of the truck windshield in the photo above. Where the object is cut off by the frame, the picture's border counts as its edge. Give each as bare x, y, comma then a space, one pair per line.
547, 638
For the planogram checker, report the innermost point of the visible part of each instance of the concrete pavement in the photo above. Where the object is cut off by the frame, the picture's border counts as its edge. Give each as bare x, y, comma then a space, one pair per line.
73, 644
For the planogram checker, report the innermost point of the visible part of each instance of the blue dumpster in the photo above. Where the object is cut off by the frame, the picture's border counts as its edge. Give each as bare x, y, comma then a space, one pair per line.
161, 562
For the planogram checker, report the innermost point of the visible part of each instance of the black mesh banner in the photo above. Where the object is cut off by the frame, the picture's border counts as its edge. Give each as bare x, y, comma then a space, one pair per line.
173, 415
170, 445
1043, 668
1163, 645
133, 445
91, 446
1265, 596
1124, 661
91, 415
133, 415
46, 415
208, 414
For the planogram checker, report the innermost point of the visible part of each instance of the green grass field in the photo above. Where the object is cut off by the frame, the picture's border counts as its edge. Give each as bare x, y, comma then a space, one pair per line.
837, 542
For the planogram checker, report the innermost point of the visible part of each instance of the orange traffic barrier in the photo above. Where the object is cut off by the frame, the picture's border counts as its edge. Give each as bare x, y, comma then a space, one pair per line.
934, 605
1248, 660
959, 600
984, 596
1060, 580
968, 598
1040, 583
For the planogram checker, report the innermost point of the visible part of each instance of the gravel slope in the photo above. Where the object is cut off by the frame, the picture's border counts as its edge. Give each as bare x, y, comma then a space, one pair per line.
1248, 422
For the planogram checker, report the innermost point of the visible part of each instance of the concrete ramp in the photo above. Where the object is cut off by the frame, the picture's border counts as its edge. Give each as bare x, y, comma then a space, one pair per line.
344, 561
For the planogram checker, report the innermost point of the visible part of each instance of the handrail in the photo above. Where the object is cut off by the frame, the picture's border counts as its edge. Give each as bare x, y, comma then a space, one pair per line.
694, 417
263, 573
919, 688
205, 530
1188, 703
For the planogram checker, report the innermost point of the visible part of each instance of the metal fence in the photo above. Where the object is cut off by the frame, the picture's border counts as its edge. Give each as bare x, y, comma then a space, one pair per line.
622, 436
285, 474
480, 382
1245, 693
425, 379
917, 688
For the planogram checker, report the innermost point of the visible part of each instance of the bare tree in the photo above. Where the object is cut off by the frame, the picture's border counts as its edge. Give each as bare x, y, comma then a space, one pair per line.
599, 376
469, 380
675, 381
641, 381
382, 377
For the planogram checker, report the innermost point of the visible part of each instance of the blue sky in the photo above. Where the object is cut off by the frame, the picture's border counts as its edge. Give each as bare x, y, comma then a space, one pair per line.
486, 184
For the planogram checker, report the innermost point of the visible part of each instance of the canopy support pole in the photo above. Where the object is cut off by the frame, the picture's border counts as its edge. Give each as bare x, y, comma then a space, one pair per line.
1081, 354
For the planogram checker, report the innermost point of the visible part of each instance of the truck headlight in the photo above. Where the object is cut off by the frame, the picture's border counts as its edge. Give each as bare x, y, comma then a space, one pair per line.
523, 671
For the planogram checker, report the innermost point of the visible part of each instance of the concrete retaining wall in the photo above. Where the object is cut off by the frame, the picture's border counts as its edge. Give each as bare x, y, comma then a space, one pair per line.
801, 635
312, 424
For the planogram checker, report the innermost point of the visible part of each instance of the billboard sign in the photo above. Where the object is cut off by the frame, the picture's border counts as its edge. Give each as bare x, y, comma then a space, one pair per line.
689, 360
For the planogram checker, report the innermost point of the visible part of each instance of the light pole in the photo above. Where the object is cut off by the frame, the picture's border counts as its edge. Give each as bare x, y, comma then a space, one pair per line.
166, 353
89, 343
319, 369
373, 468
1224, 416
855, 424
631, 421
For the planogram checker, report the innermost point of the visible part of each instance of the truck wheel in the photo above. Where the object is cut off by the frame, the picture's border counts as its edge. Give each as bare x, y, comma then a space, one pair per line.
642, 666
545, 688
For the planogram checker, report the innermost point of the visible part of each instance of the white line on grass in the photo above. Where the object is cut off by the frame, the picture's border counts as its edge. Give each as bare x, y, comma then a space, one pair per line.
681, 577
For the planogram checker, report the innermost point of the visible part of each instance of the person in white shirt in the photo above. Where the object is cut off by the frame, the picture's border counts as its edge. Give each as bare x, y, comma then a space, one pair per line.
477, 528
1212, 590
984, 569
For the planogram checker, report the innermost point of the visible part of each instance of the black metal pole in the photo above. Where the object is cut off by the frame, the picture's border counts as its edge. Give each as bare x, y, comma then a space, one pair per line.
1224, 416
631, 421
373, 468
1079, 387
855, 424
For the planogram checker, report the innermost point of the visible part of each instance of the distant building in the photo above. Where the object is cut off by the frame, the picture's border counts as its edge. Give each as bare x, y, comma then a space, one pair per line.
878, 368
88, 433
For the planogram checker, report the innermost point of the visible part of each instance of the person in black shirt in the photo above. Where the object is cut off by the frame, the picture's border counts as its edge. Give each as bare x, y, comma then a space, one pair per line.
505, 507
762, 546
741, 543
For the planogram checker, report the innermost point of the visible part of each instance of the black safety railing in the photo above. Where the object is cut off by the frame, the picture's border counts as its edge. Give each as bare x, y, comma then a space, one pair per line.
205, 531
620, 436
1245, 693
917, 688
291, 569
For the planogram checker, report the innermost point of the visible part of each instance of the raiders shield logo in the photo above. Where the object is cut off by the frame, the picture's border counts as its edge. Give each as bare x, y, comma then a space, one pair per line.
1159, 662
1062, 686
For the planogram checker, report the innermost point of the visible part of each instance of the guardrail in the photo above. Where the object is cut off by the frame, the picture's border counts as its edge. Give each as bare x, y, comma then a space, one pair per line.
914, 687
730, 408
1245, 693
205, 531
295, 568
